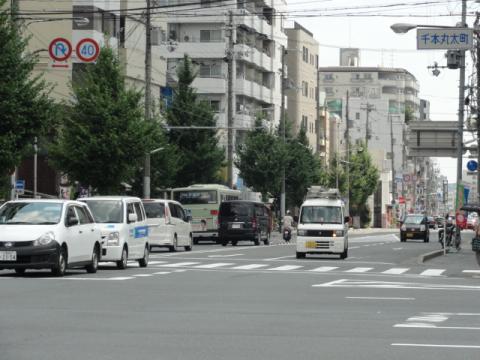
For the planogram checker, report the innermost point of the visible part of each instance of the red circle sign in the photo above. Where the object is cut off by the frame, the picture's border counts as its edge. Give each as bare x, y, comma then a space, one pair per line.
87, 50
60, 49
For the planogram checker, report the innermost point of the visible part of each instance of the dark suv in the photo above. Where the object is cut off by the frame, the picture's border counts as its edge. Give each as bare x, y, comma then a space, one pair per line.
243, 220
415, 226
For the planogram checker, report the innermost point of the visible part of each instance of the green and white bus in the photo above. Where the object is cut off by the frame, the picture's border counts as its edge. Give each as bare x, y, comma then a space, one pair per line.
203, 202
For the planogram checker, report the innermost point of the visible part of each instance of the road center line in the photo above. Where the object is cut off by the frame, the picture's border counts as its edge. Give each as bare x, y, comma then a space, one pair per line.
439, 345
379, 298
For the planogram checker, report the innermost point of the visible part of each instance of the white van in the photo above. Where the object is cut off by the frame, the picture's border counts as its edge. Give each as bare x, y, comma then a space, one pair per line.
123, 223
169, 224
323, 226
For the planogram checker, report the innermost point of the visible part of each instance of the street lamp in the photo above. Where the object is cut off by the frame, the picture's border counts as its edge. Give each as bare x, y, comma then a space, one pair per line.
403, 28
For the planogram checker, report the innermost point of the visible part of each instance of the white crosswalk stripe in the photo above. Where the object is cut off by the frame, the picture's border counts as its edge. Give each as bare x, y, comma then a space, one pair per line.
181, 264
286, 267
324, 268
395, 271
433, 272
359, 270
213, 266
156, 262
249, 267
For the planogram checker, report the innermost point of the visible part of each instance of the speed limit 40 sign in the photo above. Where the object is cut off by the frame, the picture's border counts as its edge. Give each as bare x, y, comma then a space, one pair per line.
87, 50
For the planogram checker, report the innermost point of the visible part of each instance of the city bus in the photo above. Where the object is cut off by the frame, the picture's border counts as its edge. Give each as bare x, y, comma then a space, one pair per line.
202, 201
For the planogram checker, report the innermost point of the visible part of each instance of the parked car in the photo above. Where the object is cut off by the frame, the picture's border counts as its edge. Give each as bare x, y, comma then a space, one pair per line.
472, 221
244, 220
48, 234
123, 224
440, 221
432, 224
415, 226
169, 224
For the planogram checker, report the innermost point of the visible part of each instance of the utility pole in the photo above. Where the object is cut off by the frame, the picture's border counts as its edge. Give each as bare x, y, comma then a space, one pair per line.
283, 120
148, 83
368, 109
392, 157
477, 45
230, 58
35, 167
461, 104
348, 154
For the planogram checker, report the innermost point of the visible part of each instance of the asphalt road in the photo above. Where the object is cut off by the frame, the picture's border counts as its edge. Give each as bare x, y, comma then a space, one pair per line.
248, 302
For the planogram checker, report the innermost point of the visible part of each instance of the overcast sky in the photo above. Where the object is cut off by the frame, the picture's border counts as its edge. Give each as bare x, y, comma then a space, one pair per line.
380, 46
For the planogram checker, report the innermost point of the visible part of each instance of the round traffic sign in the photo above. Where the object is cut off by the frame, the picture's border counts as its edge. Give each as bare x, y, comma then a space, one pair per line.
87, 50
472, 165
60, 49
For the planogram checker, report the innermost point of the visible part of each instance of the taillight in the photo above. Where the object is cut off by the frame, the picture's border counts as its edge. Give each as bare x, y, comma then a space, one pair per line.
214, 212
254, 223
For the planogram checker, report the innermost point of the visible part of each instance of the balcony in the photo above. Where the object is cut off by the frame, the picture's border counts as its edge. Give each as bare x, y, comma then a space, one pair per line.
252, 89
195, 50
254, 56
210, 85
242, 120
254, 22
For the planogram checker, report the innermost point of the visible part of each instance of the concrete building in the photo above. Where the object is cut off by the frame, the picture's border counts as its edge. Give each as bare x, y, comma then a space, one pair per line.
380, 101
259, 36
104, 21
302, 64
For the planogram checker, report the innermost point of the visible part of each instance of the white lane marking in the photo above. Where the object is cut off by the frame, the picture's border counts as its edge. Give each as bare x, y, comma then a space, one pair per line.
156, 262
180, 270
180, 264
349, 283
143, 275
354, 247
433, 272
397, 249
379, 298
434, 318
249, 267
431, 326
161, 273
118, 278
395, 271
395, 237
324, 268
278, 258
359, 270
212, 266
223, 256
471, 271
286, 267
439, 346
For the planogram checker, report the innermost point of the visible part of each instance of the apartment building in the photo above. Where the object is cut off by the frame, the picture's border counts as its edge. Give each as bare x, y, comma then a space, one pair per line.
302, 88
201, 31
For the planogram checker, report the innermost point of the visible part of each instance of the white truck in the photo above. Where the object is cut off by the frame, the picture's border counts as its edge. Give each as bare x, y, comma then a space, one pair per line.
322, 224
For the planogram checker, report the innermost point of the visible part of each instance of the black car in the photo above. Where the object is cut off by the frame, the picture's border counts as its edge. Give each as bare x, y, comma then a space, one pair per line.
243, 220
415, 226
432, 224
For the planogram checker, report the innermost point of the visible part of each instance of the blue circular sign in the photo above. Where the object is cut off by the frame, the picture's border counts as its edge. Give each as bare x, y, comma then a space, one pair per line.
472, 165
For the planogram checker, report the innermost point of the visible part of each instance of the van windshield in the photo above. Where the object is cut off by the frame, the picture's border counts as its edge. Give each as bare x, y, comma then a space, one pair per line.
106, 211
321, 215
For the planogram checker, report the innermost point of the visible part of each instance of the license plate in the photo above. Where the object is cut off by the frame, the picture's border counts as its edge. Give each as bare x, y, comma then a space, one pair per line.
310, 244
409, 235
8, 256
236, 226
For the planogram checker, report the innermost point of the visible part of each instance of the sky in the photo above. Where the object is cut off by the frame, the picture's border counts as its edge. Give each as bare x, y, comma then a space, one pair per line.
380, 46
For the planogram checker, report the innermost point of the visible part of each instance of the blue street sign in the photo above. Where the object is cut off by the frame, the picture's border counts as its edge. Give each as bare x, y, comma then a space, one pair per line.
472, 165
20, 186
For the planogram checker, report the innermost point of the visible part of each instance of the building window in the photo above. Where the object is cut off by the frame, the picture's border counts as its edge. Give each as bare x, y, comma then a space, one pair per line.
328, 77
305, 122
329, 91
305, 88
210, 35
357, 116
210, 71
316, 61
305, 54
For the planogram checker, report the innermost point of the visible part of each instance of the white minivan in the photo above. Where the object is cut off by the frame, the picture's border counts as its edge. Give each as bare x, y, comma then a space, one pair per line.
123, 223
169, 224
322, 227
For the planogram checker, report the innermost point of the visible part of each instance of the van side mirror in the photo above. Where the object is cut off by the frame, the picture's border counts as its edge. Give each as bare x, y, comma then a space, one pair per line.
72, 221
187, 218
347, 219
132, 218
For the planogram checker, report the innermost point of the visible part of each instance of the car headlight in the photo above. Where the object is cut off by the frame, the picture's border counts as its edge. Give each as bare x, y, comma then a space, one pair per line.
422, 227
403, 228
338, 233
302, 232
45, 239
113, 239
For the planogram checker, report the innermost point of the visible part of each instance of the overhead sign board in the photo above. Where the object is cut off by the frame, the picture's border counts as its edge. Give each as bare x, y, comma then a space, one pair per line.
433, 139
61, 51
445, 39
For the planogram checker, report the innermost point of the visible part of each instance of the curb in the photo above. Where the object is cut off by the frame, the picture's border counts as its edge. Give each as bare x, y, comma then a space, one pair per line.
430, 255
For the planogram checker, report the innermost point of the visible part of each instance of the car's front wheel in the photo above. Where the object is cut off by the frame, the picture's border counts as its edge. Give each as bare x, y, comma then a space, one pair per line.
20, 271
123, 262
300, 255
93, 266
144, 261
189, 247
61, 265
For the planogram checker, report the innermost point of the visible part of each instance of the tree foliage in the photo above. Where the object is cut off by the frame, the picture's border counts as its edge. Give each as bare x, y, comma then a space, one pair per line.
26, 110
104, 136
200, 157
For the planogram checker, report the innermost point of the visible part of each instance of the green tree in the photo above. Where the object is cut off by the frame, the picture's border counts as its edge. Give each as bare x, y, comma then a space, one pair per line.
302, 169
200, 157
26, 110
104, 136
260, 160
